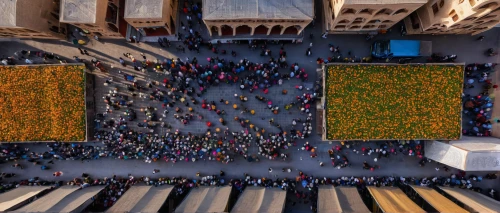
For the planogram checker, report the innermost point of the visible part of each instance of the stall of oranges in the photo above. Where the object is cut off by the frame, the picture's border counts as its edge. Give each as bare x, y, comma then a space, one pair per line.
42, 103
393, 102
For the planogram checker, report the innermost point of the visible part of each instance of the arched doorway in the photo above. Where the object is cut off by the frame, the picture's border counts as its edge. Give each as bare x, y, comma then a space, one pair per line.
214, 30
291, 30
243, 30
261, 30
276, 30
226, 30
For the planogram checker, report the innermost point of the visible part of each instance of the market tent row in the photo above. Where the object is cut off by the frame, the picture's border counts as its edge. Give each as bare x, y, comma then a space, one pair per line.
439, 202
206, 199
260, 199
392, 199
340, 199
142, 199
468, 154
473, 201
63, 199
14, 198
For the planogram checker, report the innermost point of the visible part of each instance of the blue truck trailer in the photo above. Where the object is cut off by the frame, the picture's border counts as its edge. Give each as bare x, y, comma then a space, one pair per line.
401, 49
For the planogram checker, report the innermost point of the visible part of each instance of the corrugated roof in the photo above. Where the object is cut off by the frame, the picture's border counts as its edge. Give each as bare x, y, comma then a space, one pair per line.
260, 199
143, 8
328, 200
48, 201
258, 9
78, 11
392, 199
205, 199
477, 201
350, 200
142, 199
8, 13
76, 199
16, 196
437, 200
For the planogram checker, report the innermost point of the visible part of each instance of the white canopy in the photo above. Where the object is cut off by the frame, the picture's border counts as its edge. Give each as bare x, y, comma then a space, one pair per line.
142, 199
205, 199
17, 196
261, 200
468, 154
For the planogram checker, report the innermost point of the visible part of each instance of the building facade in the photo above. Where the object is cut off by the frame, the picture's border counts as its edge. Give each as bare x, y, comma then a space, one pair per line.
97, 17
152, 17
257, 18
31, 19
454, 17
352, 16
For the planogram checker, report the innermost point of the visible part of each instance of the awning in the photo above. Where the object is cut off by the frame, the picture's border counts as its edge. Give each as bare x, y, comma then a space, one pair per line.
19, 195
260, 199
437, 200
205, 199
49, 200
476, 201
392, 199
142, 199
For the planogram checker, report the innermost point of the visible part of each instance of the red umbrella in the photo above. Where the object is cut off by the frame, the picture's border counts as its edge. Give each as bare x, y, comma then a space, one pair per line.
204, 106
371, 169
209, 124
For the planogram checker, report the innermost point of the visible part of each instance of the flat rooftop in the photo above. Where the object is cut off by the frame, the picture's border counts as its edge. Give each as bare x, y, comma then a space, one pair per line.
393, 102
8, 13
260, 9
78, 11
143, 8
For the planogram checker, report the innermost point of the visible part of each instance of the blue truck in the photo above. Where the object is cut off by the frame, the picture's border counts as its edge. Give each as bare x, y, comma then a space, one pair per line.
401, 49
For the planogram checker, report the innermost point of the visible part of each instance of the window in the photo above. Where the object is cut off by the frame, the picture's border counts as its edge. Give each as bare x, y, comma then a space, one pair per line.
366, 11
491, 5
400, 11
368, 26
441, 3
358, 20
384, 11
348, 11
374, 21
382, 26
435, 8
340, 27
461, 1
354, 27
345, 21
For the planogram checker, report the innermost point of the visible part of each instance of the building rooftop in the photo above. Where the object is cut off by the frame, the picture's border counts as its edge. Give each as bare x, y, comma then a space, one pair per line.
8, 13
78, 11
143, 8
385, 1
261, 9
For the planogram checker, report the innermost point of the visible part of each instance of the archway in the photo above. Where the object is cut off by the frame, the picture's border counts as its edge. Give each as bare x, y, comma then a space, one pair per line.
214, 30
243, 30
226, 30
261, 30
276, 30
291, 30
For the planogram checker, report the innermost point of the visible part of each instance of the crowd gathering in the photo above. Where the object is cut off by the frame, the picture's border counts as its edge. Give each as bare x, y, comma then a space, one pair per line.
478, 107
